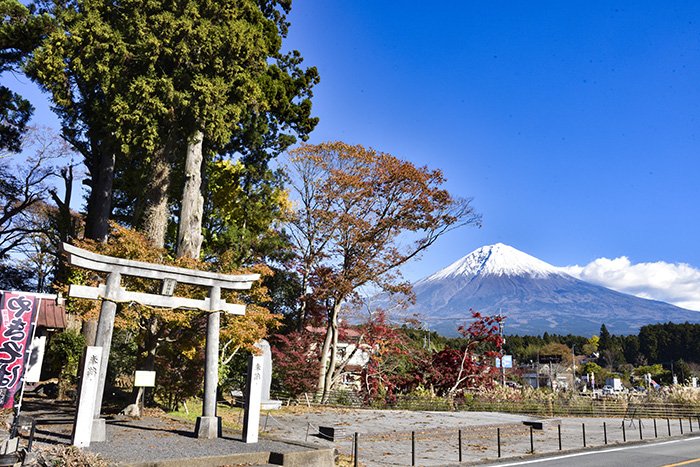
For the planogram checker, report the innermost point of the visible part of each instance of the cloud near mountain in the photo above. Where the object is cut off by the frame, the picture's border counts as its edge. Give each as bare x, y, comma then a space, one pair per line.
678, 284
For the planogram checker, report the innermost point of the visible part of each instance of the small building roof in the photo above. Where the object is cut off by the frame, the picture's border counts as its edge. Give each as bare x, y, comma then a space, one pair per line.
51, 314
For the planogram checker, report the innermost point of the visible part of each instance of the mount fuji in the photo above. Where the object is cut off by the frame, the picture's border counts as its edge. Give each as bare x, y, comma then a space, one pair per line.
534, 296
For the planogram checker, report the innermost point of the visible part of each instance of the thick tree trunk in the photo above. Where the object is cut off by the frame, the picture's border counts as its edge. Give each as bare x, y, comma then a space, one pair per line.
323, 368
99, 206
90, 331
333, 362
155, 215
329, 354
189, 235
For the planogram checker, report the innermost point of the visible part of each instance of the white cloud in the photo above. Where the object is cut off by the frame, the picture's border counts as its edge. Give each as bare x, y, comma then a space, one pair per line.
678, 284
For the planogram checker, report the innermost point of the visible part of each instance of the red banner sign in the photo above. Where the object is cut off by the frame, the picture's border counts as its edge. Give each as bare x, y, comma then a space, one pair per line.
18, 314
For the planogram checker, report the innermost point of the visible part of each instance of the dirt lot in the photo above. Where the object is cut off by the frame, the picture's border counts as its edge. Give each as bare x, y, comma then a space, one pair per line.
385, 437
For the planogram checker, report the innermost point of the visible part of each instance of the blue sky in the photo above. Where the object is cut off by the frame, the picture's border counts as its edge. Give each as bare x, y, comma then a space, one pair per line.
573, 125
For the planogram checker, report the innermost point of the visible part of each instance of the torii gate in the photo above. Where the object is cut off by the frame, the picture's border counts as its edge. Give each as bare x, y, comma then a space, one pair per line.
208, 425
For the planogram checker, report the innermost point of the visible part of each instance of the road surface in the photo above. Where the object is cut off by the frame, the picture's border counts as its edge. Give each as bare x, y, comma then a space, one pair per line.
673, 453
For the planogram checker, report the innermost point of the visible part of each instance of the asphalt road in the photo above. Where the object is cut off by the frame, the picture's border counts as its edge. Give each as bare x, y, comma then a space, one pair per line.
677, 452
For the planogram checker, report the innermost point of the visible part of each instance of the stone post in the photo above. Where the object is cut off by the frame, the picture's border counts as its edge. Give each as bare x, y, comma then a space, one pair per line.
105, 327
83, 424
253, 398
209, 425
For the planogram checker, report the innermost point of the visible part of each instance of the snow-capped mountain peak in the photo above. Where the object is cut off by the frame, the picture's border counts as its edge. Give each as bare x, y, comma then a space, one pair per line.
498, 260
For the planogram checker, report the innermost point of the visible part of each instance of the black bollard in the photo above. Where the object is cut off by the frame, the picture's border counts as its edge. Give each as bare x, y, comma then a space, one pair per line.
583, 427
605, 432
498, 436
656, 434
624, 435
640, 428
680, 424
668, 422
559, 432
355, 452
413, 448
532, 441
459, 437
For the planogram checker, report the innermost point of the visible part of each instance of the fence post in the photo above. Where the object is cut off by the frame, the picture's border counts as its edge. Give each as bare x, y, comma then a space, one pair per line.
583, 426
559, 433
605, 433
459, 436
532, 441
656, 434
413, 448
624, 435
355, 451
498, 437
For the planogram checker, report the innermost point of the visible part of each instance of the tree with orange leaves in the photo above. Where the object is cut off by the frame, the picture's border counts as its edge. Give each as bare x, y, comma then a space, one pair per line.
360, 215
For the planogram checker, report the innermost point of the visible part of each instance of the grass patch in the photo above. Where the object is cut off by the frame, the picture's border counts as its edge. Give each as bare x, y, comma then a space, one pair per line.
231, 417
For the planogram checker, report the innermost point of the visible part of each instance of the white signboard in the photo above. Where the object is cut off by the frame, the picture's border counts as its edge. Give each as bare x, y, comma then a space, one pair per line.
507, 361
36, 358
145, 379
82, 429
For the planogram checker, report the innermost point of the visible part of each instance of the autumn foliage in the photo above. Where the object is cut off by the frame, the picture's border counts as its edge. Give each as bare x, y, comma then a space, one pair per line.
483, 344
361, 214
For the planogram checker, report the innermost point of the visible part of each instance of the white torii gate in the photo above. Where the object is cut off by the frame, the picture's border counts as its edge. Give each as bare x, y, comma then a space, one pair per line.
111, 293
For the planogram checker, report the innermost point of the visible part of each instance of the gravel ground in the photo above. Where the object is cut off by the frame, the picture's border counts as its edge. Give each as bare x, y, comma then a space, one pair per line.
386, 438
148, 439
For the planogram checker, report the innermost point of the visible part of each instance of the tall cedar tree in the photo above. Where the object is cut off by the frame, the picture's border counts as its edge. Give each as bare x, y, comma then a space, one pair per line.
356, 207
144, 87
153, 85
20, 32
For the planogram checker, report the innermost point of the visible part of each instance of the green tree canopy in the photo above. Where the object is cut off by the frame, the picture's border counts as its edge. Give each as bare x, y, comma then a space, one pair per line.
20, 32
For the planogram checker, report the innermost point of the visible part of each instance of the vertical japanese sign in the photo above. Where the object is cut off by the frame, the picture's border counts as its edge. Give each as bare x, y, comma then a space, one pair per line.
18, 314
251, 416
82, 428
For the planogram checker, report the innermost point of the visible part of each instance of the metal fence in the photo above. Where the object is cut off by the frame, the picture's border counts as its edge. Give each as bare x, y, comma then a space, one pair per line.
614, 406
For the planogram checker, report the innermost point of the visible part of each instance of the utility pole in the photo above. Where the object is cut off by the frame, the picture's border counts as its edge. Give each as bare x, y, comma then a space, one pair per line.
503, 341
573, 355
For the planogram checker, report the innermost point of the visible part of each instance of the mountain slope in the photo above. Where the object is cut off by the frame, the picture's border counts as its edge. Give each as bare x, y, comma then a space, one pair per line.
533, 295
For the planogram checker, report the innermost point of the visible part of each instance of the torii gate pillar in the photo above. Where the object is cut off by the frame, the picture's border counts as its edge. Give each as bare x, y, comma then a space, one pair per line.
103, 338
209, 424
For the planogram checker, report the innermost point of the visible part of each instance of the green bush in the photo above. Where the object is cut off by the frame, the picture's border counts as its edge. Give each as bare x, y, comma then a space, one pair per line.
63, 358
